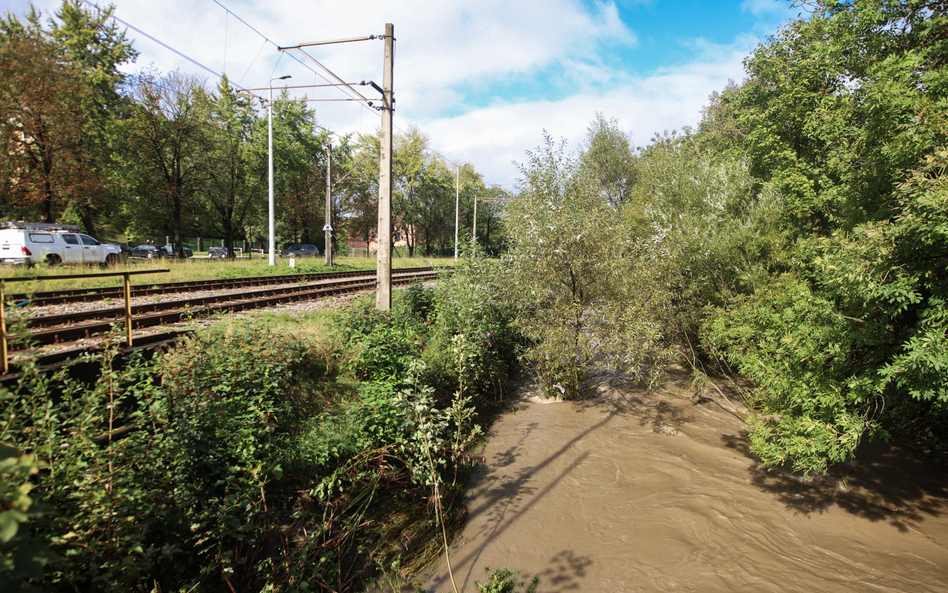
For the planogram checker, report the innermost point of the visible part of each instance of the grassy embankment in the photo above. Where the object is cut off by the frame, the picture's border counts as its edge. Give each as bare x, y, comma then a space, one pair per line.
265, 454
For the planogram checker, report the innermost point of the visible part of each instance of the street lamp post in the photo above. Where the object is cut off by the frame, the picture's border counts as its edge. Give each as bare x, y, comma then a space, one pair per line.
328, 226
270, 170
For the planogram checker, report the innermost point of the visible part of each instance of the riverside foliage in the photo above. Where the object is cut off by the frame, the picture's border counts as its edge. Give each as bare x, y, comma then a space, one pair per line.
799, 236
250, 459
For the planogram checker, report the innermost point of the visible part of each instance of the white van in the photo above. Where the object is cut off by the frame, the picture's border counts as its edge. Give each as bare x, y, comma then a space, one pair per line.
36, 242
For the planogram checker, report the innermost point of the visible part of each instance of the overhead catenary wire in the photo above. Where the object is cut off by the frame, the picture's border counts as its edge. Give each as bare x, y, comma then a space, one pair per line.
156, 40
316, 73
206, 68
330, 73
279, 48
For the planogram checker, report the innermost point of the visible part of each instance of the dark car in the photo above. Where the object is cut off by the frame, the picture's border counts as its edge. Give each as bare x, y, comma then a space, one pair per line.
169, 251
217, 252
297, 250
125, 248
148, 251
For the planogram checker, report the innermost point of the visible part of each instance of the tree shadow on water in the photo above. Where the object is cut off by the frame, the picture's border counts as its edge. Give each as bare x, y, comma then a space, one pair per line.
664, 416
887, 484
508, 495
565, 572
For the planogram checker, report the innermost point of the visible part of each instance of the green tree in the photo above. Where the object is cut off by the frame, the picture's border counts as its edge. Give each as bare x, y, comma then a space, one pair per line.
234, 187
608, 156
358, 195
299, 169
585, 292
167, 138
42, 126
89, 39
844, 114
61, 100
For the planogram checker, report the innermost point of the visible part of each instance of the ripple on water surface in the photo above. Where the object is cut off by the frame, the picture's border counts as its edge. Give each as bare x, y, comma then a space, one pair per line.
638, 491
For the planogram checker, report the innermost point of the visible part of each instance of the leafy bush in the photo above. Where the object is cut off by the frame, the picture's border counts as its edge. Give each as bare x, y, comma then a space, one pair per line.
187, 498
378, 347
584, 290
240, 461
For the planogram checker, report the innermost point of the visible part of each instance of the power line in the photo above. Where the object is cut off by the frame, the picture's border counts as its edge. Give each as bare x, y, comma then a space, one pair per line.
156, 40
300, 62
363, 101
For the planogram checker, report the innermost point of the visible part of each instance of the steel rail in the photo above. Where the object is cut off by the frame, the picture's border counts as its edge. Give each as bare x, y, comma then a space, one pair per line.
85, 295
60, 328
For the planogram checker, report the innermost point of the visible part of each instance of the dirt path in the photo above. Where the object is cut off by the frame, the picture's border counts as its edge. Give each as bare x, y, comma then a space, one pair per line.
647, 492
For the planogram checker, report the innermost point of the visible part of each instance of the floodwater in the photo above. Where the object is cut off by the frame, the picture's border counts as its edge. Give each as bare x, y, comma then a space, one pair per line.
636, 491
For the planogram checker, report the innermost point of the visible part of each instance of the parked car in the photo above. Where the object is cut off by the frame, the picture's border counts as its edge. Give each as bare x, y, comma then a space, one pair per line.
29, 243
125, 249
217, 252
169, 251
148, 251
297, 250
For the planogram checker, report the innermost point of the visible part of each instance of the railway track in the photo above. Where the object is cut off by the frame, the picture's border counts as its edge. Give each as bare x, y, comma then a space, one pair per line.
69, 329
86, 295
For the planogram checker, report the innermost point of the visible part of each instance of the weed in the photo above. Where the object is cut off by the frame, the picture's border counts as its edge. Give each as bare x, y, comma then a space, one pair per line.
502, 580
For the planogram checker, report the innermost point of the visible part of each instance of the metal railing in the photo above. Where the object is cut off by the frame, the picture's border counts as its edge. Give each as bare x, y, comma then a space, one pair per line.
127, 290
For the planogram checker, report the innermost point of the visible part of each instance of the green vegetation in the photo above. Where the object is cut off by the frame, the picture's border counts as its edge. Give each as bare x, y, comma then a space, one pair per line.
798, 236
258, 455
502, 580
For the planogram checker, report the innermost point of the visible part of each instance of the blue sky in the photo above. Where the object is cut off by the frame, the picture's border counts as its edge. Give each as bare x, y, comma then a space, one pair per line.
484, 78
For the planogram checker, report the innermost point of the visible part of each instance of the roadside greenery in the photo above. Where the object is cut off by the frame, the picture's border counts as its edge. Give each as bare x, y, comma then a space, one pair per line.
583, 290
843, 114
799, 236
255, 456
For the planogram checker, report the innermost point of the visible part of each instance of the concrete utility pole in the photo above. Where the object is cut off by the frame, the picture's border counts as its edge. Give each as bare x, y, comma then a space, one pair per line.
383, 294
328, 226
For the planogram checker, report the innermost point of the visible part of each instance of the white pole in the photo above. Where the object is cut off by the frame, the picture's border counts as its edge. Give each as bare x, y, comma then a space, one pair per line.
270, 223
328, 226
457, 202
270, 216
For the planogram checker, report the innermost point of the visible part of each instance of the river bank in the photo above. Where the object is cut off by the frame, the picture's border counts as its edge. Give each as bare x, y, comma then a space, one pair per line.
637, 491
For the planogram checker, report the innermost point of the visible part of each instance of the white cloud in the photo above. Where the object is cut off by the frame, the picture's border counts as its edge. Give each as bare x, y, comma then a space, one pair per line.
764, 7
442, 47
671, 98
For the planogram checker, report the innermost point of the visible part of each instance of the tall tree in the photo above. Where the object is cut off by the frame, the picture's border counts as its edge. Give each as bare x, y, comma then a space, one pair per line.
584, 292
232, 186
609, 156
409, 158
168, 135
844, 113
59, 96
299, 168
358, 204
89, 39
42, 122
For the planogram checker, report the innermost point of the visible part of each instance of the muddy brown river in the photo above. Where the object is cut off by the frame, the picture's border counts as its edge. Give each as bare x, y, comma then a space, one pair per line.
636, 491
